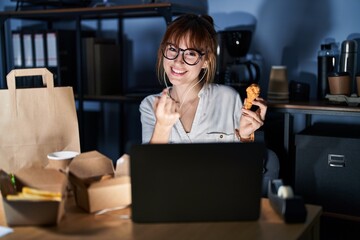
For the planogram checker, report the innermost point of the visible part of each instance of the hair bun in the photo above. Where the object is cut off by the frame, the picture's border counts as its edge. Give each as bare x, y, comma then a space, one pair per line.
208, 18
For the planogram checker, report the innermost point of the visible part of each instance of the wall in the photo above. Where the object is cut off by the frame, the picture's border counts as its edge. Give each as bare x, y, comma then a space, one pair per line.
289, 32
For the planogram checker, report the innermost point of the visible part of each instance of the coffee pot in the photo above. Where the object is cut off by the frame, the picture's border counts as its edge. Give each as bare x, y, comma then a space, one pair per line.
233, 66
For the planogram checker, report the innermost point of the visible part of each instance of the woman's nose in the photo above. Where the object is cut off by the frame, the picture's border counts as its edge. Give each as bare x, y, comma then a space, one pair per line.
179, 57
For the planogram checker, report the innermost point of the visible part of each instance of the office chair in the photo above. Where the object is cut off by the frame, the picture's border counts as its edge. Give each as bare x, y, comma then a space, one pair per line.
271, 170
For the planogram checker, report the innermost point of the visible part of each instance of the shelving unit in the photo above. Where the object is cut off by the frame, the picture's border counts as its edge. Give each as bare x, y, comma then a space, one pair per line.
77, 15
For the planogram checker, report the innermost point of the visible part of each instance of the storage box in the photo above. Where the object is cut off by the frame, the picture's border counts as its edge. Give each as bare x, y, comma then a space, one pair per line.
95, 183
327, 169
33, 212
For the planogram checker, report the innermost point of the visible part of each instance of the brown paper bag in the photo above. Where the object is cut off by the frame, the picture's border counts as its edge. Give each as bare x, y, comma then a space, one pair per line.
35, 121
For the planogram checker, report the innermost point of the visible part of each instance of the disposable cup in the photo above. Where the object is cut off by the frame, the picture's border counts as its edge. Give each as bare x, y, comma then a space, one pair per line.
339, 83
60, 160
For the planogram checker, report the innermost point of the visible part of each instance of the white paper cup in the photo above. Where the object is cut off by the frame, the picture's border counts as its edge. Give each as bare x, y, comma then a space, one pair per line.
60, 160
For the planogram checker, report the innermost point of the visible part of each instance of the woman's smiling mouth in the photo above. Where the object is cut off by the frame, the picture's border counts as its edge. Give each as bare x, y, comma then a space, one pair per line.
177, 72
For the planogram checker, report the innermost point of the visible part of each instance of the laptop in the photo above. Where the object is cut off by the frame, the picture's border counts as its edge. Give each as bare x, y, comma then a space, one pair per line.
198, 182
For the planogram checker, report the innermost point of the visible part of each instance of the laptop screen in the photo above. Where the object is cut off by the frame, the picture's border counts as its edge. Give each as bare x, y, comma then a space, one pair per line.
196, 182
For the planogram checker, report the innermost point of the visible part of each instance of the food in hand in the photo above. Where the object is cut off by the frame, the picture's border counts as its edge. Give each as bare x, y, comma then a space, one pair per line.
253, 91
35, 194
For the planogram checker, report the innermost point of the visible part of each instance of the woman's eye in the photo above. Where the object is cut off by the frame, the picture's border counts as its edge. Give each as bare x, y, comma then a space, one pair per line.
172, 49
191, 53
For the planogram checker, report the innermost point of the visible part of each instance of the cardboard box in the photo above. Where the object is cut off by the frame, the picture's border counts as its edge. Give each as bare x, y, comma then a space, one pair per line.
33, 212
96, 184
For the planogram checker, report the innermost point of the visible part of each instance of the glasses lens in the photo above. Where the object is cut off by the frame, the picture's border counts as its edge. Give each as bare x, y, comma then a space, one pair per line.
171, 52
190, 56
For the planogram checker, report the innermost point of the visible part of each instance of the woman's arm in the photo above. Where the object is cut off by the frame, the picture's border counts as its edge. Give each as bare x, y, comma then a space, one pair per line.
250, 121
158, 121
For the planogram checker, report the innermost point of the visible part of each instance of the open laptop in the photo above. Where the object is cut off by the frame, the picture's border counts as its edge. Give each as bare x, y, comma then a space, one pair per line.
196, 182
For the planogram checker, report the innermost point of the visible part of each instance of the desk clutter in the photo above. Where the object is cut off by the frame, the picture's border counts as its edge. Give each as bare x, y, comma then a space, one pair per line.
349, 100
36, 121
40, 150
289, 206
37, 196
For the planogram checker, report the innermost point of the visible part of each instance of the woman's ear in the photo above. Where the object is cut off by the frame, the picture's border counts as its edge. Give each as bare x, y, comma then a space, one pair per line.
205, 65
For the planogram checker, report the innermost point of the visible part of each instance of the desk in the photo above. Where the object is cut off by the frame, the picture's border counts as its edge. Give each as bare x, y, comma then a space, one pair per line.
115, 225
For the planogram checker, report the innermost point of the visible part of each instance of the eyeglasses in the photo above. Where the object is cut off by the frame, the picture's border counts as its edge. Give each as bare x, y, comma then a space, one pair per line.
190, 56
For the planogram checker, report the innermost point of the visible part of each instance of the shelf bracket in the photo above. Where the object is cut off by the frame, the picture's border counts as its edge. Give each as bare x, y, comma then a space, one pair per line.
166, 13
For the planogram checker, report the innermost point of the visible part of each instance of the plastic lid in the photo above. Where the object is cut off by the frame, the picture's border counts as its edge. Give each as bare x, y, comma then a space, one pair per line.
349, 46
325, 46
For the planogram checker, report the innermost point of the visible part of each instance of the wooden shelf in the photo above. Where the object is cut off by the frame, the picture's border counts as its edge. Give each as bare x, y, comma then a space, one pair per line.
123, 11
78, 14
314, 107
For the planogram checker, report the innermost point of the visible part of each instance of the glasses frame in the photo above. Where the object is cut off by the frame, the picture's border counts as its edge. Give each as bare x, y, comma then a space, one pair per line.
183, 51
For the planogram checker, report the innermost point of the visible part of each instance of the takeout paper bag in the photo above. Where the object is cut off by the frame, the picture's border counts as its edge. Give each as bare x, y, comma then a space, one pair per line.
35, 121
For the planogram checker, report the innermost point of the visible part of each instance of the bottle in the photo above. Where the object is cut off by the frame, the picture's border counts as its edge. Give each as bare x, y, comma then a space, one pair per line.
327, 63
348, 61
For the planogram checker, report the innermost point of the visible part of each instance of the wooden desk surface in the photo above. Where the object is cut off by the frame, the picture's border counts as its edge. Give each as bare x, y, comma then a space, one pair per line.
78, 224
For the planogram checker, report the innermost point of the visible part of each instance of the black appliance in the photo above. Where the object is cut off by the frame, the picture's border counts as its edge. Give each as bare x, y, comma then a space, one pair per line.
233, 66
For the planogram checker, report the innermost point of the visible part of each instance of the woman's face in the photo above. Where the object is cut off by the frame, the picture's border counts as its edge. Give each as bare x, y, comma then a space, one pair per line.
179, 72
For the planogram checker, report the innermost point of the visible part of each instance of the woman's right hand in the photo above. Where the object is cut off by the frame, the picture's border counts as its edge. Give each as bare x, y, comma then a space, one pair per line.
165, 110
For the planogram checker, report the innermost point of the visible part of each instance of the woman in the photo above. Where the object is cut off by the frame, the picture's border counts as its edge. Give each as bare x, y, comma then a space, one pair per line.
193, 109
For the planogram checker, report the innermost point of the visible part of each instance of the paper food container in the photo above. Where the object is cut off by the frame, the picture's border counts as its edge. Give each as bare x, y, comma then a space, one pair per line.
31, 211
96, 184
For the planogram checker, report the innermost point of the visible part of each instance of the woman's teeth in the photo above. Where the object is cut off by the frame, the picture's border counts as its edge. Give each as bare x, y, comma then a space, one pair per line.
177, 71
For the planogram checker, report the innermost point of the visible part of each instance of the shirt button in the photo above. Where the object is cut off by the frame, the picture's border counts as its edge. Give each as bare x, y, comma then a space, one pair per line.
221, 136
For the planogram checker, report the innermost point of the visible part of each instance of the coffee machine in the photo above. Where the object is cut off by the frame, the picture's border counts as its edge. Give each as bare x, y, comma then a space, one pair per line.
234, 68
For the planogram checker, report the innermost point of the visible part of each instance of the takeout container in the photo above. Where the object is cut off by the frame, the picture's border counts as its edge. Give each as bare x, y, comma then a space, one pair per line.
97, 185
33, 212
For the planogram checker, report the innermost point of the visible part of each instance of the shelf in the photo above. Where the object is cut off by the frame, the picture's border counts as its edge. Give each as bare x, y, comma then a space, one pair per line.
165, 10
118, 13
136, 98
123, 11
314, 107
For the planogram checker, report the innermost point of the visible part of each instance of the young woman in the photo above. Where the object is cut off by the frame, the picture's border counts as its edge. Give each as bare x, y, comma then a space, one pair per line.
191, 108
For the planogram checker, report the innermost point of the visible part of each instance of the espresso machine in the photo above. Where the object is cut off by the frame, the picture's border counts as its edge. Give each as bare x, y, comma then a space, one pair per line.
234, 68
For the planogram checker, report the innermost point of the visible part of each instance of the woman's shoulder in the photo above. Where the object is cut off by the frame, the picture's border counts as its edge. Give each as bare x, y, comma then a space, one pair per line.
149, 100
221, 89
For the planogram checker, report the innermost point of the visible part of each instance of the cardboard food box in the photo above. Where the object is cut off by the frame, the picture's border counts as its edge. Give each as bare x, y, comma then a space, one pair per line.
96, 184
33, 211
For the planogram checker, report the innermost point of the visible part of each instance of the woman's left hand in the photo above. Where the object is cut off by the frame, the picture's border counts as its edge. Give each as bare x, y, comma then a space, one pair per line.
250, 121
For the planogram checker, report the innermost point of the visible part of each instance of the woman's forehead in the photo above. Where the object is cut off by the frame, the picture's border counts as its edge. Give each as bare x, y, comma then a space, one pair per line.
184, 42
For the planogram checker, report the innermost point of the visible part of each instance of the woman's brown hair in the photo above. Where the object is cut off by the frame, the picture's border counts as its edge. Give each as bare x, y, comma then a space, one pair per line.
202, 35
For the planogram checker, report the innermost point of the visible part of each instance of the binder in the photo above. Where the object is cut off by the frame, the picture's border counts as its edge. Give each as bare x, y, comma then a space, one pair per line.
39, 49
28, 50
107, 62
16, 44
52, 53
101, 66
89, 65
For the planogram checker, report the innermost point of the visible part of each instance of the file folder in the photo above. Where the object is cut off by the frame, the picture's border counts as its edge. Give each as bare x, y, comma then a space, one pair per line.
52, 54
16, 44
28, 50
39, 49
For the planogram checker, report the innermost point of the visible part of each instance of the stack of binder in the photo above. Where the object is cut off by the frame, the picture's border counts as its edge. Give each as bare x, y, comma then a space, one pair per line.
54, 49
